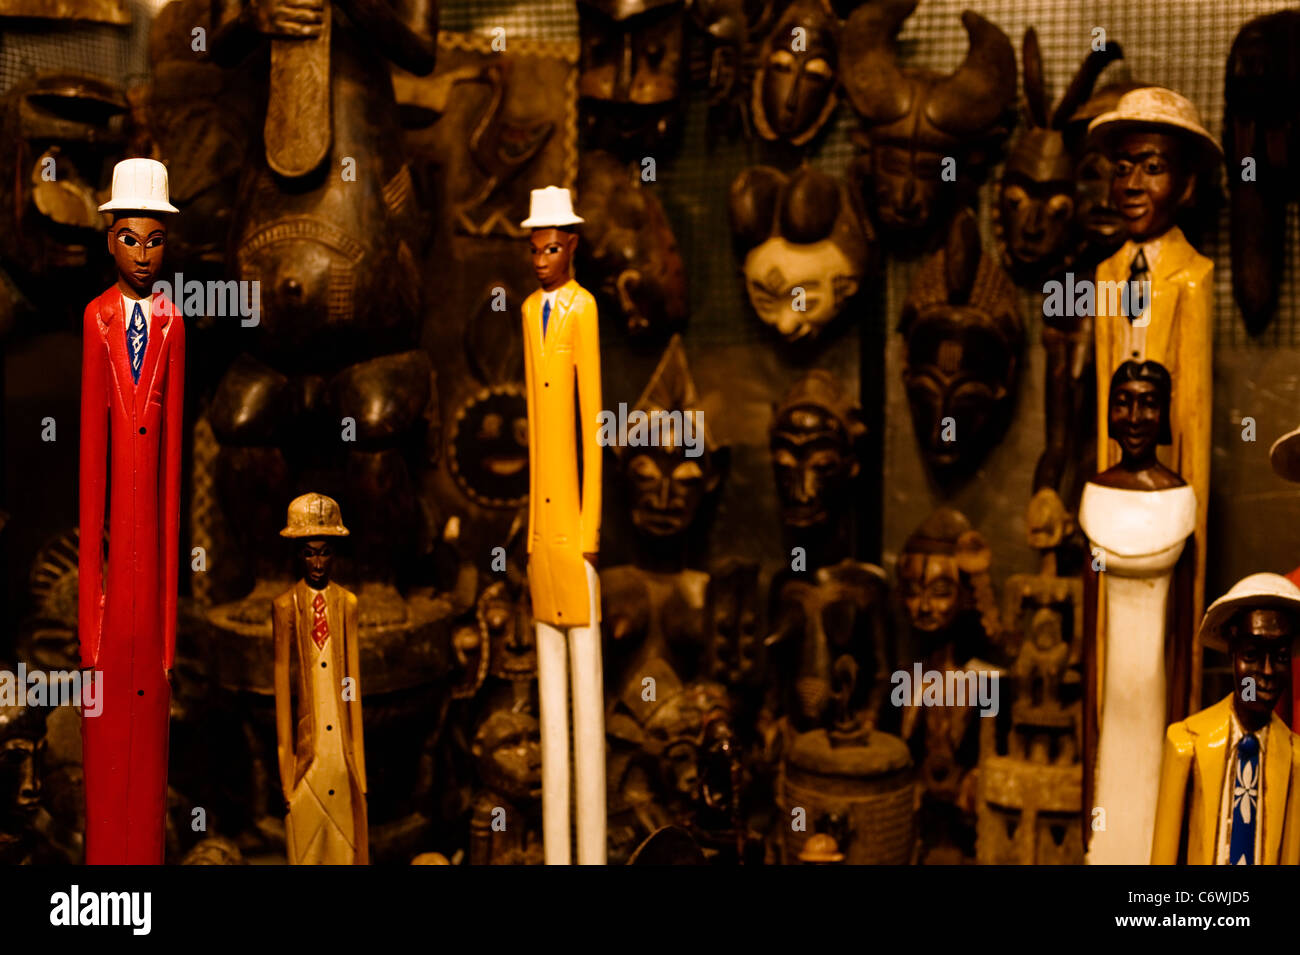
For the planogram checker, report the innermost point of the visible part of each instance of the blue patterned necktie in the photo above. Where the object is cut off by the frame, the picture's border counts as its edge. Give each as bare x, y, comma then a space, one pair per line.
546, 314
137, 337
1245, 802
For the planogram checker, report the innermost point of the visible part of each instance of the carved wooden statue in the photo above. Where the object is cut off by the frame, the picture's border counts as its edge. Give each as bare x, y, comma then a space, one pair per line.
321, 754
946, 592
22, 748
1230, 776
1137, 515
132, 392
562, 365
1163, 312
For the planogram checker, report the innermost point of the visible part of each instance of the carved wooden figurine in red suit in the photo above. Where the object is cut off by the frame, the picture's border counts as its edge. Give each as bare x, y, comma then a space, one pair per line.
132, 382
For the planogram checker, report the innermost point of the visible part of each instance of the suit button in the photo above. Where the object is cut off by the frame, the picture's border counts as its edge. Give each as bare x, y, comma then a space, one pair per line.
546, 384
142, 430
322, 663
328, 727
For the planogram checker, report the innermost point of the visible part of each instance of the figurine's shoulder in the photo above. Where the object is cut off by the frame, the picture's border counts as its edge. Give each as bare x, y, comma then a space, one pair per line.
284, 602
99, 309
582, 298
348, 597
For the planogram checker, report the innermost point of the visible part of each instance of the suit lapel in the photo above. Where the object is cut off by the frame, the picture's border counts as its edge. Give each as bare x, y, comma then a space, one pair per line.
1211, 759
112, 326
559, 316
1277, 780
160, 315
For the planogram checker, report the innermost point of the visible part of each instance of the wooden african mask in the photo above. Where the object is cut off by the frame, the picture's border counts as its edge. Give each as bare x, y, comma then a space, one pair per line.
1036, 215
834, 624
915, 119
815, 430
1259, 132
805, 247
794, 86
632, 58
629, 245
61, 132
943, 574
22, 747
963, 333
667, 482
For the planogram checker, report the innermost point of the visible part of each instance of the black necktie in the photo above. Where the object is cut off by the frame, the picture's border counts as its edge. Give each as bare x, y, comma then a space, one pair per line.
1137, 284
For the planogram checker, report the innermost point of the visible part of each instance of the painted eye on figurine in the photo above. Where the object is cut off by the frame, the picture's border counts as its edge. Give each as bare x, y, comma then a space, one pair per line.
127, 239
1155, 167
154, 242
1122, 168
1013, 196
1060, 207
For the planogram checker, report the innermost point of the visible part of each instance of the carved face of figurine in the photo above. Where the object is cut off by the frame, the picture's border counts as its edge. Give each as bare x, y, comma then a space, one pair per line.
930, 585
795, 85
1047, 519
1046, 628
317, 556
552, 251
1099, 220
136, 243
814, 464
1150, 182
513, 651
22, 748
1036, 219
1139, 411
1261, 642
508, 753
667, 489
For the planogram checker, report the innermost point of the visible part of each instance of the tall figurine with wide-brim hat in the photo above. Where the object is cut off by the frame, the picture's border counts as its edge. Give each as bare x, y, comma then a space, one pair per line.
132, 394
1154, 303
1230, 777
323, 765
561, 350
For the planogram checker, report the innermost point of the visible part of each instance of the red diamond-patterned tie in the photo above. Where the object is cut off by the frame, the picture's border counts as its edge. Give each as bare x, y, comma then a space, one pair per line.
320, 628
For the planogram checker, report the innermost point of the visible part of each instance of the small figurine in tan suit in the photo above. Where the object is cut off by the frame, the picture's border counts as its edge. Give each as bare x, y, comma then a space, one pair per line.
324, 775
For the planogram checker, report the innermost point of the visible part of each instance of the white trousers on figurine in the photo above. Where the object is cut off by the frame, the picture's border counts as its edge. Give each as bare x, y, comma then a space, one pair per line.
553, 669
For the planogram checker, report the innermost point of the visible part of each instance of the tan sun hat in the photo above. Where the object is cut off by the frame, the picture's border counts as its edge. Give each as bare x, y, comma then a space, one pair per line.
314, 515
1257, 592
1157, 106
1285, 456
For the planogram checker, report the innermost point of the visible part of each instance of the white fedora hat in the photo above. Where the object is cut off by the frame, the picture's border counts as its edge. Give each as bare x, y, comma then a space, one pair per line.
139, 185
550, 208
1257, 592
1285, 456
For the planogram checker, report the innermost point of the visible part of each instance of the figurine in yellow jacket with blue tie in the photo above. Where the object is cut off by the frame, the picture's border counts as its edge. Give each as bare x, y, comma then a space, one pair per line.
1230, 777
561, 350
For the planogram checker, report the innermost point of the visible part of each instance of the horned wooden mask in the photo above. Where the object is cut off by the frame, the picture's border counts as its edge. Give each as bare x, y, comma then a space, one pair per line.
916, 120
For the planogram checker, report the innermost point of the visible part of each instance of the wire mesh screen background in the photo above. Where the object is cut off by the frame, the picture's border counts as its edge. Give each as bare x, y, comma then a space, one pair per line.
741, 368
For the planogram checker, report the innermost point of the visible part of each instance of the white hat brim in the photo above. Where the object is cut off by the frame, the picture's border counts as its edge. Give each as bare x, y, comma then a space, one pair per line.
1110, 123
551, 222
139, 205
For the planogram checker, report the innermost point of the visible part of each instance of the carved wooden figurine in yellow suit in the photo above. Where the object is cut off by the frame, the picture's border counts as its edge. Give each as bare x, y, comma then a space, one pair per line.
324, 775
1239, 759
561, 347
1159, 149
